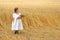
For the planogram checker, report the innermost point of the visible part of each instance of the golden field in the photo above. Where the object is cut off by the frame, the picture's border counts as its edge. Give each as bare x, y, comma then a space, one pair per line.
39, 24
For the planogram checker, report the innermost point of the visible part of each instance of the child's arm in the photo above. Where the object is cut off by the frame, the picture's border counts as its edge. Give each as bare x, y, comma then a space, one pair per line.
12, 19
20, 16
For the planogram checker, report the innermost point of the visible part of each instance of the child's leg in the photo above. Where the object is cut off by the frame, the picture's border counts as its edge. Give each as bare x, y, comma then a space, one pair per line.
20, 31
16, 31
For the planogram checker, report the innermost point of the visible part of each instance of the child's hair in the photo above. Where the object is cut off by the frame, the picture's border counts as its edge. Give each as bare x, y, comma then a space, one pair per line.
15, 9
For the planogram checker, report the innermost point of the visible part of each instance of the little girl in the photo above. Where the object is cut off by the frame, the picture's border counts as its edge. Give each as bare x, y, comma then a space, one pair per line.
16, 22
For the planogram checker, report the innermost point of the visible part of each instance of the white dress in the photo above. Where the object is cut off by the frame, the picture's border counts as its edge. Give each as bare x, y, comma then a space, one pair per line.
17, 23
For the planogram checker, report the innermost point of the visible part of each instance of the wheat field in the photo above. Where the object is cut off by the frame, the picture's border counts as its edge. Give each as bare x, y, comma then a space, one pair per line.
41, 23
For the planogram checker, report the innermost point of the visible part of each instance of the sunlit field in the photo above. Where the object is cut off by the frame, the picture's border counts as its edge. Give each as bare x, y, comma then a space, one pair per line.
40, 22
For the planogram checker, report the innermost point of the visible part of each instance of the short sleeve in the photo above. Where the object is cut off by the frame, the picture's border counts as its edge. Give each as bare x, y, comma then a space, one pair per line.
15, 16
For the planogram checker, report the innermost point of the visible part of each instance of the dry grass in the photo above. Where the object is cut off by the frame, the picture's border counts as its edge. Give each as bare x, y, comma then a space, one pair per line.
39, 24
